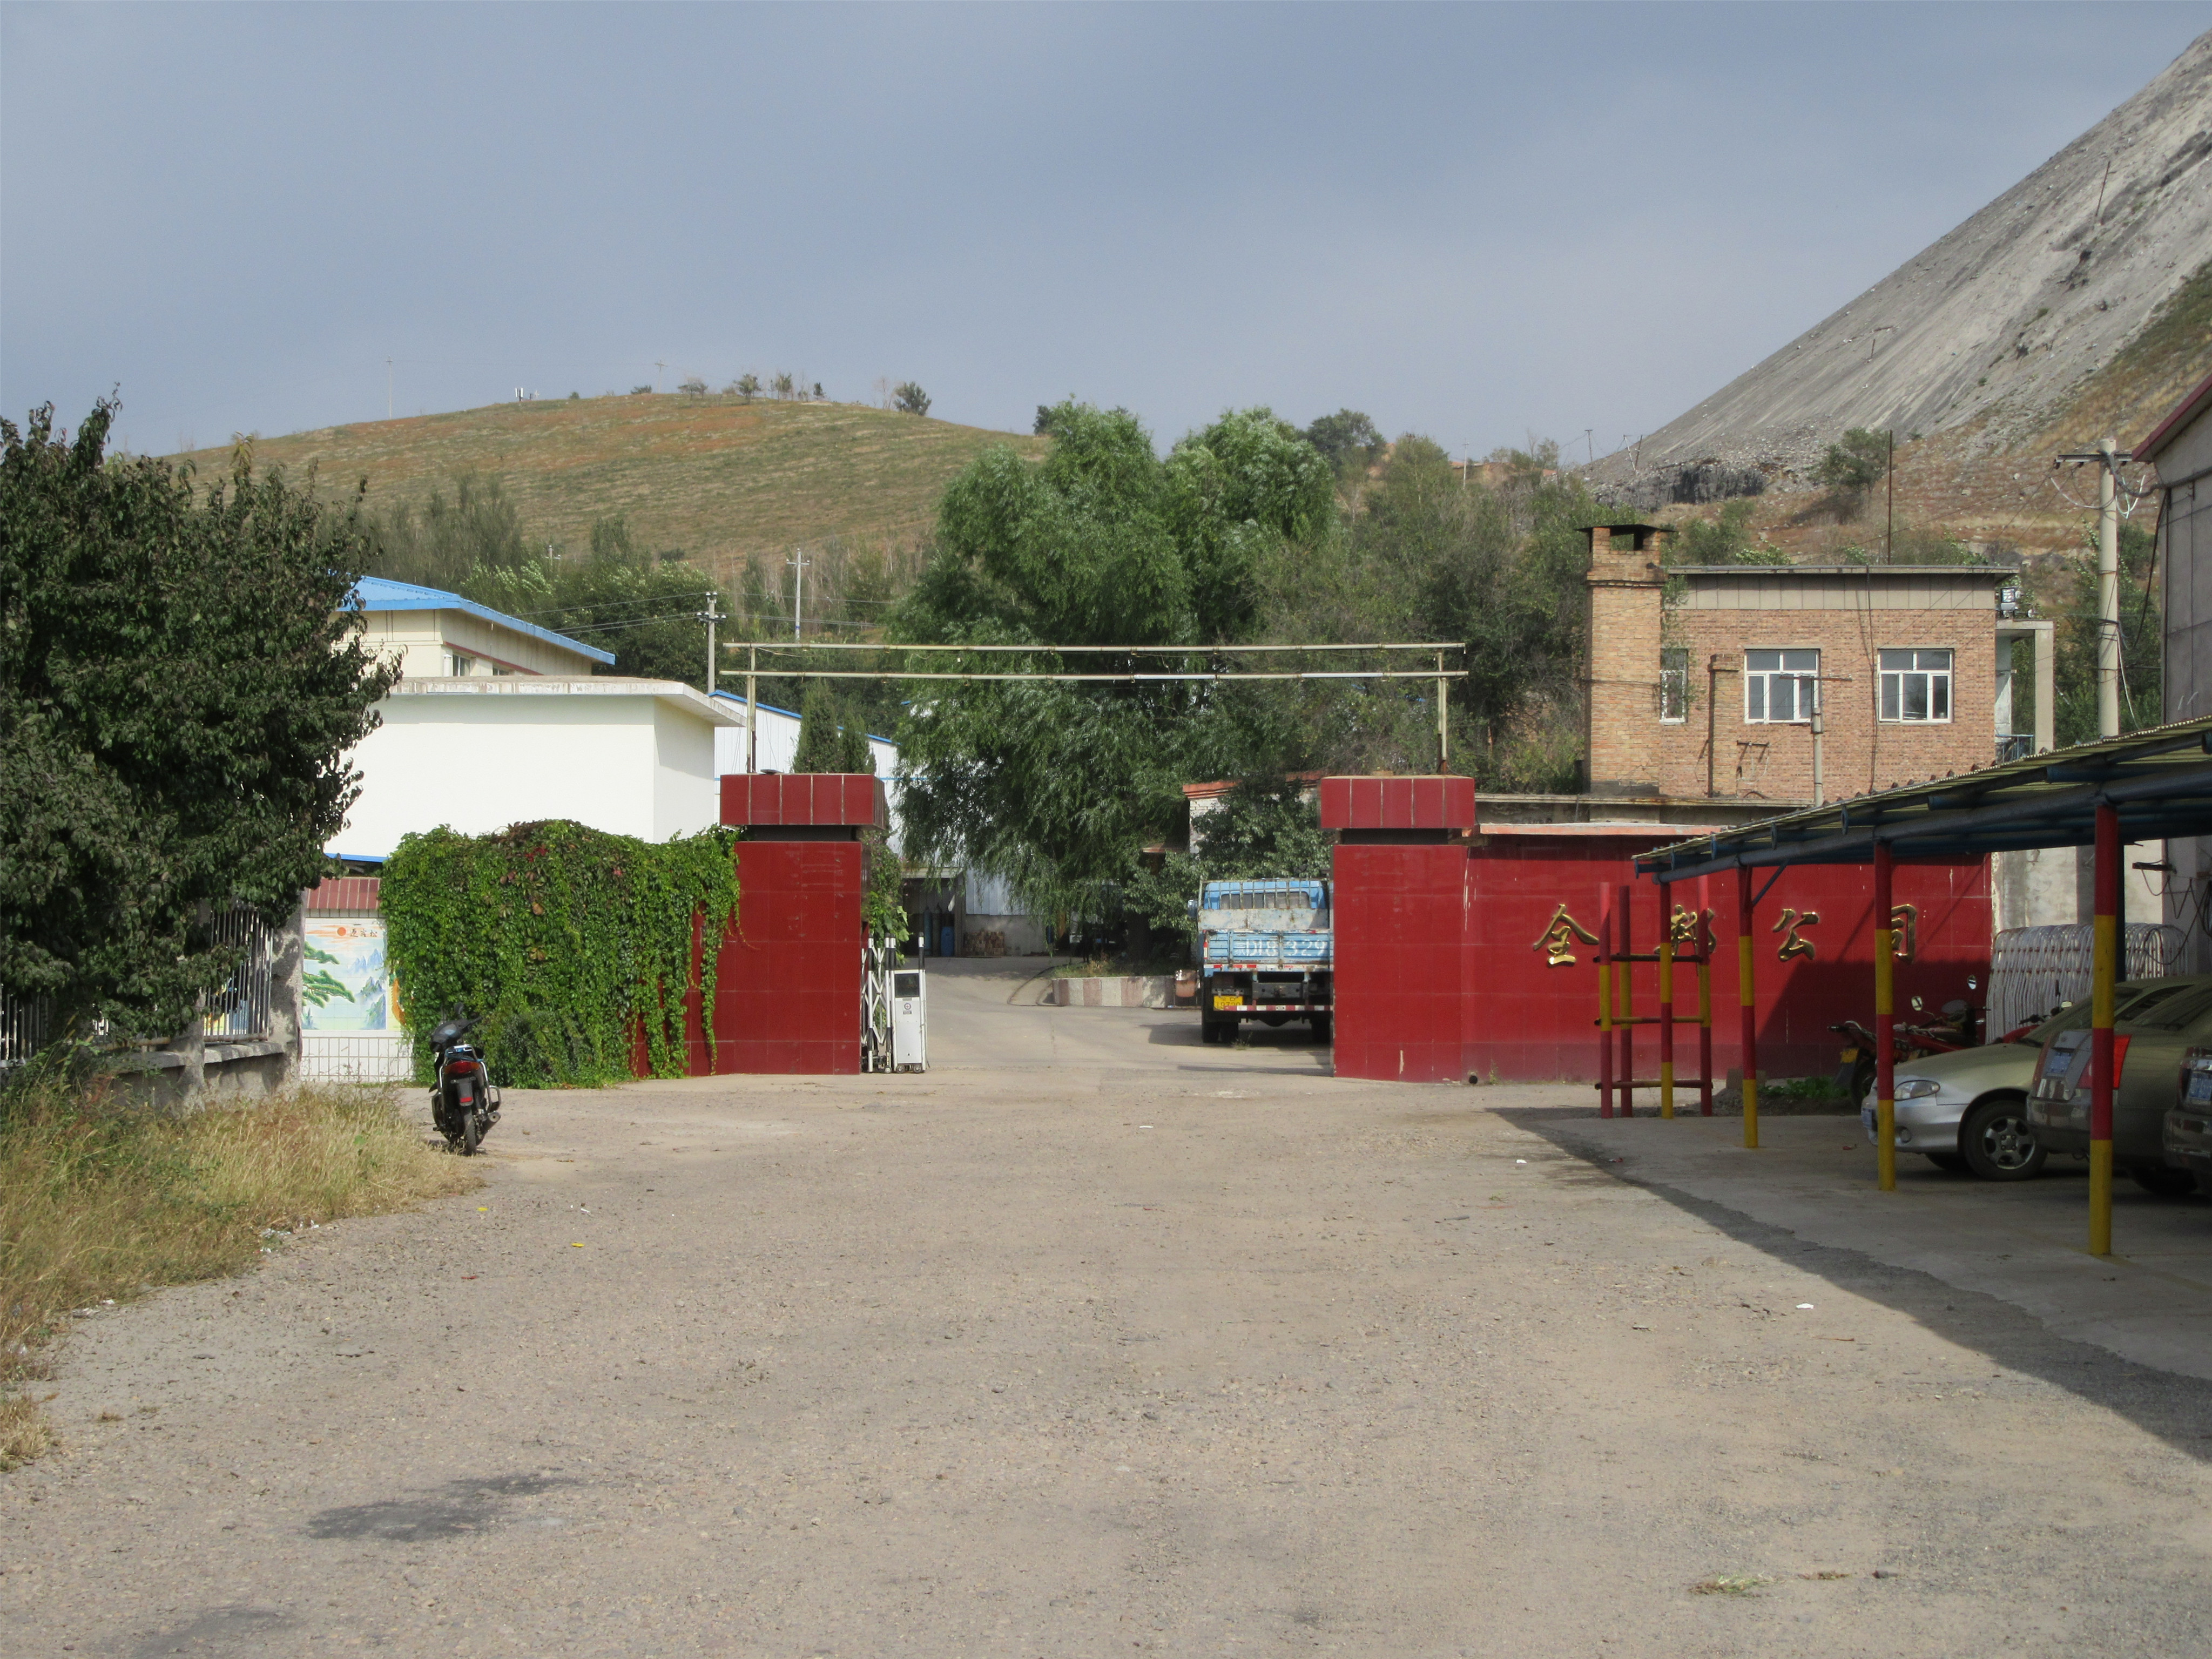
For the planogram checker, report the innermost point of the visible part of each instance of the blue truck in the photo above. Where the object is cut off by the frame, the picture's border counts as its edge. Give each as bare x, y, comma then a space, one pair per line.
1263, 953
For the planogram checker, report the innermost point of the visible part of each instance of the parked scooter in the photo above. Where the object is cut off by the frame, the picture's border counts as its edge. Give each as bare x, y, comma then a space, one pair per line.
465, 1105
1959, 1026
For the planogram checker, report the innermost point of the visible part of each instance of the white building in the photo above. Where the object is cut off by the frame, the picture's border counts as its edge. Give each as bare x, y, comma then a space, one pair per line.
441, 635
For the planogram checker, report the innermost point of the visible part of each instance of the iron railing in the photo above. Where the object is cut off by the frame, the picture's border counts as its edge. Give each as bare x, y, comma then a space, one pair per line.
241, 1008
2033, 970
25, 1024
2014, 746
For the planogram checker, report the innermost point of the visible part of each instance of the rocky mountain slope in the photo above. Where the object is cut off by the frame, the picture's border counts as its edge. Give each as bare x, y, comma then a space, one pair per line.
2077, 299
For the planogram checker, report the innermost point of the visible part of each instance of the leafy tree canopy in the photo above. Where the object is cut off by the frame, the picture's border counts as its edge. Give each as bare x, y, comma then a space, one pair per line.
1056, 785
180, 683
1728, 539
1264, 828
1857, 461
1348, 441
829, 740
908, 397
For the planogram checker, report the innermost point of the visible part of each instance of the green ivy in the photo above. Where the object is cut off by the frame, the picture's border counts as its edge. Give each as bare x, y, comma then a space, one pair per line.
562, 940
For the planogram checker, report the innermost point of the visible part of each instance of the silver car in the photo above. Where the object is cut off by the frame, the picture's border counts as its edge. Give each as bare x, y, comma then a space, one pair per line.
1968, 1109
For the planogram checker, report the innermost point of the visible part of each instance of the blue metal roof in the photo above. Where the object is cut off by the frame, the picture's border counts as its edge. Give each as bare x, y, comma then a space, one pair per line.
381, 594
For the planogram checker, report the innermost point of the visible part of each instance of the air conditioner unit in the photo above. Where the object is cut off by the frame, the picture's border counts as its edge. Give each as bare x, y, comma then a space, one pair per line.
909, 1020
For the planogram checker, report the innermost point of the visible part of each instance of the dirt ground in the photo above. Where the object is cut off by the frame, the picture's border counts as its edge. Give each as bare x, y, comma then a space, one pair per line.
1092, 1340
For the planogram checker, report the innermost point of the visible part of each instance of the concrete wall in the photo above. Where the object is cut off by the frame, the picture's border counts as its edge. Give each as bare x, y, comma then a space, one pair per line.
635, 758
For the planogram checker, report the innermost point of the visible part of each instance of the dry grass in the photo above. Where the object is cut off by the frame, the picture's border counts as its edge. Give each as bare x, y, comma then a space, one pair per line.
714, 476
98, 1202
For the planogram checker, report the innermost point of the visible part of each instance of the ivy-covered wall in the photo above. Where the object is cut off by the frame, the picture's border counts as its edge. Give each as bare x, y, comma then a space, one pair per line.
562, 939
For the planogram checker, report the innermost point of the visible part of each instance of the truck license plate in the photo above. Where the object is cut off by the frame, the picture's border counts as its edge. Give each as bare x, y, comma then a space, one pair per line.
1229, 1002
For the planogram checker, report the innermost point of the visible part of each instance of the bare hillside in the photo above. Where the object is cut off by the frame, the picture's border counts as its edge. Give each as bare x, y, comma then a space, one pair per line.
717, 476
2067, 300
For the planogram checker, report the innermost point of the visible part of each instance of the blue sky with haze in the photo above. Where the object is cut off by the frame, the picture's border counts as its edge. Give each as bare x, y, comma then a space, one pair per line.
1477, 222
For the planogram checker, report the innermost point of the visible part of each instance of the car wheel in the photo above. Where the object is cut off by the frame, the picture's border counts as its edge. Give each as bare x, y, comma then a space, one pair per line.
1949, 1163
2161, 1182
1997, 1144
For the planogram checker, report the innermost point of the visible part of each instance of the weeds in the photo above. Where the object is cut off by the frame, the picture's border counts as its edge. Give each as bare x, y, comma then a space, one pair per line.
99, 1201
1729, 1585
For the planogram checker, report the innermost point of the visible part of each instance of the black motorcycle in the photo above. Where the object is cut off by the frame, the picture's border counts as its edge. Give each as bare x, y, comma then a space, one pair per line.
465, 1105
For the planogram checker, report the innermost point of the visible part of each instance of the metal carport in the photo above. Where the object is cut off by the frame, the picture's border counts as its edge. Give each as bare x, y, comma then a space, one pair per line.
2147, 786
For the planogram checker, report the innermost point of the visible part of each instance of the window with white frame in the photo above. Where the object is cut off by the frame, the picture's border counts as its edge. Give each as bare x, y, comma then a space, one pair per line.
1780, 686
1675, 683
1916, 684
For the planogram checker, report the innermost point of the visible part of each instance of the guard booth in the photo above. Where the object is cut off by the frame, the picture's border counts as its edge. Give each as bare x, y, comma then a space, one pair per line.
788, 995
1401, 914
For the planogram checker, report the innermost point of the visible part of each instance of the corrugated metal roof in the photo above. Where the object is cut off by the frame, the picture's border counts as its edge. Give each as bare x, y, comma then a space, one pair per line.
382, 593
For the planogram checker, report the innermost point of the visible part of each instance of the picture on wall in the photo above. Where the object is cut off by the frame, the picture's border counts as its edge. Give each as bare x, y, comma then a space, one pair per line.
346, 987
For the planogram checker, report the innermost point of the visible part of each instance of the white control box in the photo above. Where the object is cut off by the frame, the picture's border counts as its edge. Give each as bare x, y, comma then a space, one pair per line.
909, 1020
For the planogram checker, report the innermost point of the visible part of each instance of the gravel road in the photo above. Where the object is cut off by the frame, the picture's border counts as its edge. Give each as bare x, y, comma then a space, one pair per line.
1092, 1340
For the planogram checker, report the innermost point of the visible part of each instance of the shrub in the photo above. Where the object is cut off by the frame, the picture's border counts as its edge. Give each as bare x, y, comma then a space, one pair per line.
909, 398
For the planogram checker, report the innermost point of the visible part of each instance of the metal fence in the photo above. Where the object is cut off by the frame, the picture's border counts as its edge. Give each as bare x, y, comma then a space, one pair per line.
241, 1008
24, 1023
2033, 970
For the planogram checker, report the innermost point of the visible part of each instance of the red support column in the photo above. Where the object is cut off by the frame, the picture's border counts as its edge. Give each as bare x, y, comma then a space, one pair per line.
1666, 1004
1704, 1001
1604, 1006
2104, 969
1885, 1021
1746, 995
1624, 972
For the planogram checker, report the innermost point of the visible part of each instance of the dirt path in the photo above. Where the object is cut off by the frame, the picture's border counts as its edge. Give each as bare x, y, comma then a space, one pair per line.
1092, 1341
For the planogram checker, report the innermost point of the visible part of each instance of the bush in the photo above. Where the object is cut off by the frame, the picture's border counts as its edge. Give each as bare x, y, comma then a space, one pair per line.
908, 399
1857, 462
562, 940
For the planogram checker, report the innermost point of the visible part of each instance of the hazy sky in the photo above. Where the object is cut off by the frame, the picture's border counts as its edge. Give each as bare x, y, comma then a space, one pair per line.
1477, 221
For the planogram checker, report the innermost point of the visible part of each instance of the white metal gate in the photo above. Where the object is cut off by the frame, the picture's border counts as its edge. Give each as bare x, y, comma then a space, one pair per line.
878, 957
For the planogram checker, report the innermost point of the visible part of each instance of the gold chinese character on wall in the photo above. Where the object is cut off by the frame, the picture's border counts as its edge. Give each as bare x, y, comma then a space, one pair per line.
1685, 927
1904, 931
1795, 944
1561, 932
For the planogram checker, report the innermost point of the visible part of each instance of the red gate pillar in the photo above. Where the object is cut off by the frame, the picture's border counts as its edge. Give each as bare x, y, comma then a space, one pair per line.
1401, 926
788, 981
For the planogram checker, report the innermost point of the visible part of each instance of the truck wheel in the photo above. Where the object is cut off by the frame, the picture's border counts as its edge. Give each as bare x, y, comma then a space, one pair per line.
1324, 1028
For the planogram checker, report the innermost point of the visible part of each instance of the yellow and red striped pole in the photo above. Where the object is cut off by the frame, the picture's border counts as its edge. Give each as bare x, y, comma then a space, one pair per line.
2104, 969
1666, 1007
1746, 995
1885, 1023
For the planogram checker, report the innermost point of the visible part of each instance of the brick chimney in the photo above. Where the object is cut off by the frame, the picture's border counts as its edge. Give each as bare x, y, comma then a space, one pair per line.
1621, 713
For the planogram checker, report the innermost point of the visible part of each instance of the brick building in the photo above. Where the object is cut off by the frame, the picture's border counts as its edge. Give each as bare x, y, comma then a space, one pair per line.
1794, 683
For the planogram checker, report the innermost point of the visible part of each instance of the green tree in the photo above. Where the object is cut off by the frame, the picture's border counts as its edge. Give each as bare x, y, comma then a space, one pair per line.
1348, 441
1857, 462
1056, 786
1727, 539
747, 387
908, 399
181, 682
829, 740
2068, 593
475, 529
1265, 828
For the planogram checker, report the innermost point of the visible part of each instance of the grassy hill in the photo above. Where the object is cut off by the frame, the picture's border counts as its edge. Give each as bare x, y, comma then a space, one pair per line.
717, 476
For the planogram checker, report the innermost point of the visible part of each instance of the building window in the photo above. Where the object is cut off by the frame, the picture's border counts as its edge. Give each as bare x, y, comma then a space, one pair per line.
1780, 686
1916, 685
457, 663
1674, 682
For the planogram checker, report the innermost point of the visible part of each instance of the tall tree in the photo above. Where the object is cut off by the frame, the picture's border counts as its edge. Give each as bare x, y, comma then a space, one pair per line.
181, 682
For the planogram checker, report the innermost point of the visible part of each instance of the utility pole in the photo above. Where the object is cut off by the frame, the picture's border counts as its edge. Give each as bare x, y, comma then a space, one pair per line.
658, 363
2109, 459
752, 708
712, 616
1889, 474
1443, 731
797, 562
387, 388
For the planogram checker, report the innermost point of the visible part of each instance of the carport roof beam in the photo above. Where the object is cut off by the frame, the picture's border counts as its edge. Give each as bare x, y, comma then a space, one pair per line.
2159, 781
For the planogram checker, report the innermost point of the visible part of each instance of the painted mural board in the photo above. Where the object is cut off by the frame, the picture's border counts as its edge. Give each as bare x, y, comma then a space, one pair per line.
347, 988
